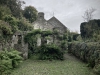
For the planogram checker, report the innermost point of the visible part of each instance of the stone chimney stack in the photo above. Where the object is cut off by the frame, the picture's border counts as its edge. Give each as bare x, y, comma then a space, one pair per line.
40, 15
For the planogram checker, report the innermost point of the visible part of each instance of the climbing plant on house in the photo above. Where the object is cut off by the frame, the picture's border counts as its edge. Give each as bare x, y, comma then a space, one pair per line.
45, 50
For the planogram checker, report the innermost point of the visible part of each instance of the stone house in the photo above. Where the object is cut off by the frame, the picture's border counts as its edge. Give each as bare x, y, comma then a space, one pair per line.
18, 43
51, 25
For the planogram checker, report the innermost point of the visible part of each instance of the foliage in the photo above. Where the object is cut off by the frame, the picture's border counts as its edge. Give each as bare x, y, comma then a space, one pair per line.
14, 6
88, 52
9, 60
13, 22
4, 10
72, 36
5, 28
30, 13
31, 39
90, 30
11, 12
79, 38
5, 31
46, 33
16, 24
97, 69
24, 25
70, 66
55, 32
49, 52
31, 34
63, 45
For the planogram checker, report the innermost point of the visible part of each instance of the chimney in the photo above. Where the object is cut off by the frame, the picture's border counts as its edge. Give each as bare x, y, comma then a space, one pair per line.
40, 15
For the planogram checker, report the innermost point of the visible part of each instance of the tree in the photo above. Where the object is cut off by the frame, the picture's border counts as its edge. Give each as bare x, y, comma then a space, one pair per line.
30, 13
4, 10
14, 6
88, 14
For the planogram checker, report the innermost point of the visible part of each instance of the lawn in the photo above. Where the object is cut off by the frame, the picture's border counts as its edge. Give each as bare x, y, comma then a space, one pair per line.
70, 66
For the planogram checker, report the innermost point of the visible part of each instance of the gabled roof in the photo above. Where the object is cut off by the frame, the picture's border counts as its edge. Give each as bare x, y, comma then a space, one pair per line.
54, 19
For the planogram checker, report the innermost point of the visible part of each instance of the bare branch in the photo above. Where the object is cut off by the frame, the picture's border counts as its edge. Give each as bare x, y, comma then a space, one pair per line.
88, 14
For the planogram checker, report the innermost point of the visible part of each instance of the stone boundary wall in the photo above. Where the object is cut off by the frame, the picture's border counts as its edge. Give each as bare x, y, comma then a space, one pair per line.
16, 42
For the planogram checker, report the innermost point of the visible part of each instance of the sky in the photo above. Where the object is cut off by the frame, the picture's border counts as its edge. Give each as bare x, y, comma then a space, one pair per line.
69, 12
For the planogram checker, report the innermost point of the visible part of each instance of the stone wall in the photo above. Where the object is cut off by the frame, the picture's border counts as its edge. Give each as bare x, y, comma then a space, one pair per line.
16, 42
41, 23
19, 44
23, 49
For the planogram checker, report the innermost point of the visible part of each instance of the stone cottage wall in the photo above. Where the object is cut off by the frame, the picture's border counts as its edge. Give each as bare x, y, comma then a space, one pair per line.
17, 42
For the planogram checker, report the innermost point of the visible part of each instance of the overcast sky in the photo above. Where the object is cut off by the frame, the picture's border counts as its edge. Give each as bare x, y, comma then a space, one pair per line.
69, 12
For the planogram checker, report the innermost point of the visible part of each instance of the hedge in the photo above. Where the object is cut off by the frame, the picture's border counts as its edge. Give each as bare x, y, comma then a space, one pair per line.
88, 52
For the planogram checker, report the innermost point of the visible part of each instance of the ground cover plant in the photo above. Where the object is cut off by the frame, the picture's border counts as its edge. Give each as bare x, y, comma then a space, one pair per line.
9, 60
70, 66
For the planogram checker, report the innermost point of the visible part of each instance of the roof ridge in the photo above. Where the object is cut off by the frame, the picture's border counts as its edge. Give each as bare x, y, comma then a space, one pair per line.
56, 20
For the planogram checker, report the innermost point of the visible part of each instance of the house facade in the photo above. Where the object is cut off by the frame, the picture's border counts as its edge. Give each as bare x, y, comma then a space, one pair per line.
51, 24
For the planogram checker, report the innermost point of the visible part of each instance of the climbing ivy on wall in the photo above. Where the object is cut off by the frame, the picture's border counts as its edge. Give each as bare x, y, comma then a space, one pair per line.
31, 39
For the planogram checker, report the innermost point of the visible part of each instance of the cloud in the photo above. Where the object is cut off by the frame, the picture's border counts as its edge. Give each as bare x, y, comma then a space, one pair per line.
69, 12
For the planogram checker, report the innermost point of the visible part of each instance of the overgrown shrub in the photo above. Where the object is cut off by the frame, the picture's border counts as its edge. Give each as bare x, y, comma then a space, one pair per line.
97, 69
4, 10
5, 28
46, 51
9, 60
5, 31
24, 25
88, 52
49, 52
46, 33
31, 39
90, 30
13, 22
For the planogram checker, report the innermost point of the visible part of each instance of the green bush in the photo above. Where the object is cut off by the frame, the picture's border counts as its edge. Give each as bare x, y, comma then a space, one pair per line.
88, 52
5, 31
9, 60
97, 69
5, 28
90, 30
4, 10
24, 25
13, 22
31, 39
46, 33
49, 52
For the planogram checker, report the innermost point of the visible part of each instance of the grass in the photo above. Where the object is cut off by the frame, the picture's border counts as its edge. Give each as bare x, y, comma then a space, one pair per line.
70, 66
